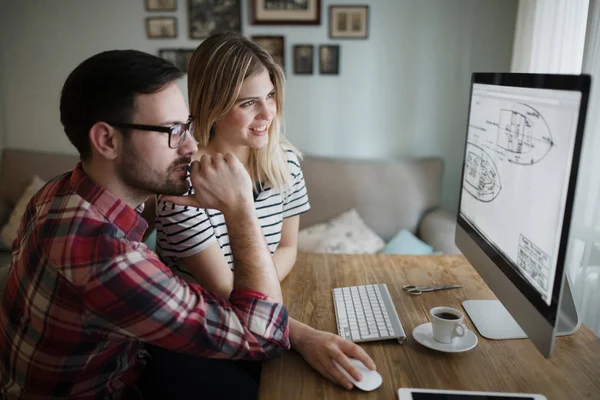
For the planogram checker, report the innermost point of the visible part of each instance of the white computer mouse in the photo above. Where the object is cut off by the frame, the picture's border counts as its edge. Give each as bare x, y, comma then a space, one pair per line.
371, 380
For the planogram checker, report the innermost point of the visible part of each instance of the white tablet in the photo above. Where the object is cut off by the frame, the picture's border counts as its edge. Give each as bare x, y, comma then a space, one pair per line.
435, 394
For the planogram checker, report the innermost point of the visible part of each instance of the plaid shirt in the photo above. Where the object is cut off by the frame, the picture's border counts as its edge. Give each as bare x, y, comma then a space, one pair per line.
84, 293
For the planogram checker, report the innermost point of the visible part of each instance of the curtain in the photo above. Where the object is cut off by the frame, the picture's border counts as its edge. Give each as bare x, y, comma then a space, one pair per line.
584, 261
591, 65
563, 36
549, 36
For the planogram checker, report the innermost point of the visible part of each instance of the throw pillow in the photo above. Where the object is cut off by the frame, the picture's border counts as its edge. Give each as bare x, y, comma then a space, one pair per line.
308, 238
10, 230
151, 240
404, 242
346, 233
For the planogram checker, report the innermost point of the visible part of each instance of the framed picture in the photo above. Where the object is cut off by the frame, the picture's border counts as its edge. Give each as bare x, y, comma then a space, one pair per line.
161, 5
179, 57
207, 17
285, 12
161, 27
348, 22
275, 47
329, 59
303, 59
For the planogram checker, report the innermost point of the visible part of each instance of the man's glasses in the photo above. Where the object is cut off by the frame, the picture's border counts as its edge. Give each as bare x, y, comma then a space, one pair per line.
176, 132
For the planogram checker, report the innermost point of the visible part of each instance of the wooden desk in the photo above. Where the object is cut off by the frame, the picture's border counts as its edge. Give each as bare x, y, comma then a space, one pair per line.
573, 372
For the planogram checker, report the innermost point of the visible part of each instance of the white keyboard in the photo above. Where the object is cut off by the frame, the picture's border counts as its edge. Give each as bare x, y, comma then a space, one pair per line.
366, 313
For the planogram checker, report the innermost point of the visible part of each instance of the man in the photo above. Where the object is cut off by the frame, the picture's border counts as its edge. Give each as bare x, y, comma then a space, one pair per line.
83, 292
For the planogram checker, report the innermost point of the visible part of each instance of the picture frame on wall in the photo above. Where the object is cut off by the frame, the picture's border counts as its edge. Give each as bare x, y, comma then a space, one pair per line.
303, 59
161, 27
349, 22
285, 12
274, 45
179, 57
207, 18
329, 59
161, 5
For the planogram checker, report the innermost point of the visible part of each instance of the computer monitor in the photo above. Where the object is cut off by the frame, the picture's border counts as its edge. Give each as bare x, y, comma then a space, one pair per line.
524, 135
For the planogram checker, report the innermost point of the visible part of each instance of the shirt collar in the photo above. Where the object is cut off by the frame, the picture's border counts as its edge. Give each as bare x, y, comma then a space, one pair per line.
115, 210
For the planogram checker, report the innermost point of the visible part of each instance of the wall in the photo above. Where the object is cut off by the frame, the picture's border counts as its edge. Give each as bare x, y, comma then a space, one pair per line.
401, 93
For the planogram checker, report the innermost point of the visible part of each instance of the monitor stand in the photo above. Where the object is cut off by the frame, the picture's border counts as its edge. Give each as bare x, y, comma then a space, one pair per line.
493, 321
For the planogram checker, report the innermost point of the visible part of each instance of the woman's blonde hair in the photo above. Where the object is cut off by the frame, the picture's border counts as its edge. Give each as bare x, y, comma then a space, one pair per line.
216, 73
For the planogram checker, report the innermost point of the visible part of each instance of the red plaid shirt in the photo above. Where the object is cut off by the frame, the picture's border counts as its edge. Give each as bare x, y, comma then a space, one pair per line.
84, 293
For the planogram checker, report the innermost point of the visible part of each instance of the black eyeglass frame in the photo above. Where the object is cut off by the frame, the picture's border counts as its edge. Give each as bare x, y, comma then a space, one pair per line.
157, 128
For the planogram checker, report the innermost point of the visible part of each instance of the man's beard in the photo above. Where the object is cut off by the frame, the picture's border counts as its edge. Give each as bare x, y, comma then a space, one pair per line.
139, 176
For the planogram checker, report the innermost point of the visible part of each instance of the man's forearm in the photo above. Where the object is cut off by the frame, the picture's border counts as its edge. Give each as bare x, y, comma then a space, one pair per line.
298, 333
184, 316
254, 267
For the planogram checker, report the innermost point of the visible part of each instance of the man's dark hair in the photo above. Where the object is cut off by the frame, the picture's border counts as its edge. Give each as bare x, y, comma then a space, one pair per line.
104, 87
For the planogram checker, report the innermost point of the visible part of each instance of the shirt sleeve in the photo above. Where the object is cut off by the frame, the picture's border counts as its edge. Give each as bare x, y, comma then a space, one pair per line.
136, 296
181, 230
296, 201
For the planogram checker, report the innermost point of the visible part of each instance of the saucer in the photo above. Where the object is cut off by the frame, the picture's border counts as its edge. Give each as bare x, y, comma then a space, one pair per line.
424, 335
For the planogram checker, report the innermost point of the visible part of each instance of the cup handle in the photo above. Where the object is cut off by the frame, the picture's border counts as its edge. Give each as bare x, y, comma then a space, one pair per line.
459, 330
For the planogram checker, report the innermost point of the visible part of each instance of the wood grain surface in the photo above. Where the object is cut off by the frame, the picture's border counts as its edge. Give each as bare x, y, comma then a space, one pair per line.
573, 372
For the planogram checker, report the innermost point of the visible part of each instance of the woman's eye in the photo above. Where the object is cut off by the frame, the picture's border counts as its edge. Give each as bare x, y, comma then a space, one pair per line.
271, 95
247, 104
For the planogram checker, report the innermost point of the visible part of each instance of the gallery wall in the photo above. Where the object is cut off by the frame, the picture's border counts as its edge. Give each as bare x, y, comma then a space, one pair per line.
402, 92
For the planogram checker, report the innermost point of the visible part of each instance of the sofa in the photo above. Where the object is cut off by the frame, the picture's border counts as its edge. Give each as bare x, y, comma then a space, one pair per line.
17, 168
388, 195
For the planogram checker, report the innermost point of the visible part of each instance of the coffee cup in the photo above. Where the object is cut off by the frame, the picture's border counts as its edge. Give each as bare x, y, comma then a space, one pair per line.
447, 324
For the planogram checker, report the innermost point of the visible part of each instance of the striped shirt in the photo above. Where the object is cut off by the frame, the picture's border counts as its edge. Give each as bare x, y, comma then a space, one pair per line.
83, 293
184, 231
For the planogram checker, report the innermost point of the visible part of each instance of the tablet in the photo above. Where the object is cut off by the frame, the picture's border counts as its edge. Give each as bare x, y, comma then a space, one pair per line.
435, 394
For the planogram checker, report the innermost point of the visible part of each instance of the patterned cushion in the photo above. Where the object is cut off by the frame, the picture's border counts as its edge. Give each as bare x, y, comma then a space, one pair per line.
346, 233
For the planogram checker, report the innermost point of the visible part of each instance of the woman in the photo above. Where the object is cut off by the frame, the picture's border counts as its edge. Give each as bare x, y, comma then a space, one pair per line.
237, 112
236, 94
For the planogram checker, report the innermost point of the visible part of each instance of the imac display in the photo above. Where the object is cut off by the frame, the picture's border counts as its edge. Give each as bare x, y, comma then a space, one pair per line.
521, 159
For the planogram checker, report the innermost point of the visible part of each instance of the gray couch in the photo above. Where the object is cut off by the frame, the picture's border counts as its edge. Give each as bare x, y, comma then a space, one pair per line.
389, 195
18, 167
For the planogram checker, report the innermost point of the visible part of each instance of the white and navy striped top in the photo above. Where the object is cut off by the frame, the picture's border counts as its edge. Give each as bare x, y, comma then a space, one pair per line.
183, 231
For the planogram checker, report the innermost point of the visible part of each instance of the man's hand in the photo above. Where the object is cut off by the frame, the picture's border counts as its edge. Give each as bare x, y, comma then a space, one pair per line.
320, 348
220, 182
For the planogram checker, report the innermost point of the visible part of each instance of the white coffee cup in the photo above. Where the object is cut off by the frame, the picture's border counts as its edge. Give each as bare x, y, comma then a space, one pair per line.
447, 324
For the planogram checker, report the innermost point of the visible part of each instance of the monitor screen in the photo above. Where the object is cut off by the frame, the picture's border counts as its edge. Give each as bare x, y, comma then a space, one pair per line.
515, 184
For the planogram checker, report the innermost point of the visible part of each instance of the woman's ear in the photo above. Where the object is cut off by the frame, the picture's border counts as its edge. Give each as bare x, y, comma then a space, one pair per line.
105, 140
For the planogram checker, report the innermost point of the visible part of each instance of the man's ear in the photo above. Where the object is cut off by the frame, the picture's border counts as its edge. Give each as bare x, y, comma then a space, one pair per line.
105, 140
